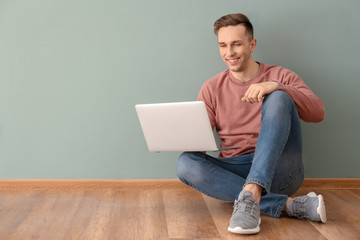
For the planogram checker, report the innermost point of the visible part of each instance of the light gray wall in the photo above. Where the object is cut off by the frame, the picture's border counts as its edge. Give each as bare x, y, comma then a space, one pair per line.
71, 72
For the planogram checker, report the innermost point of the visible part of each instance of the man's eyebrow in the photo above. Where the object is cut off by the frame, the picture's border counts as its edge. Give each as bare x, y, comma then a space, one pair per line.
231, 42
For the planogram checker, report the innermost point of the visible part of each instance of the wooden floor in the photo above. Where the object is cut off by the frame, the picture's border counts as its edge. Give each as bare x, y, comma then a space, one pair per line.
158, 213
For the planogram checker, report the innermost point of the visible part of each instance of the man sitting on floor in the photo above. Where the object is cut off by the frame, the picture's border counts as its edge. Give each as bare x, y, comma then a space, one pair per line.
257, 108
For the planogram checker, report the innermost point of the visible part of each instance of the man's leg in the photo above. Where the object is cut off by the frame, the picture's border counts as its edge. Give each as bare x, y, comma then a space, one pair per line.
280, 132
277, 168
223, 178
277, 165
279, 145
214, 177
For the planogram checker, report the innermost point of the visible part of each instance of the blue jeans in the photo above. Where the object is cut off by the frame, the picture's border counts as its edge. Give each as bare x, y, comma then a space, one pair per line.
276, 164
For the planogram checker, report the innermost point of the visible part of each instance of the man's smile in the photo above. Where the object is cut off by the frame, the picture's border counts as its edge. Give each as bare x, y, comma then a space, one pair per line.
233, 61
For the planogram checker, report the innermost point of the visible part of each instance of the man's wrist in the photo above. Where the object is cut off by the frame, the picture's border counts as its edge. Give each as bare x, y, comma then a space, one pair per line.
275, 85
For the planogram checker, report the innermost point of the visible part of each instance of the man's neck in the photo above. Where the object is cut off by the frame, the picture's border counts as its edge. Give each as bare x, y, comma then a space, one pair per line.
250, 72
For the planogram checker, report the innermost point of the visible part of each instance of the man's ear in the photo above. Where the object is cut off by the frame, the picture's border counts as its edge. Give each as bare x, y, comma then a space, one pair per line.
253, 45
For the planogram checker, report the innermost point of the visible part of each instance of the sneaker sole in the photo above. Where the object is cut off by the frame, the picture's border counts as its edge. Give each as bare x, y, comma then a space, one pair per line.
240, 230
321, 209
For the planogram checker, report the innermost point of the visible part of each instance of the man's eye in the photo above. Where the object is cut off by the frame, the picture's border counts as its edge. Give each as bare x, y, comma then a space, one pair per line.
237, 44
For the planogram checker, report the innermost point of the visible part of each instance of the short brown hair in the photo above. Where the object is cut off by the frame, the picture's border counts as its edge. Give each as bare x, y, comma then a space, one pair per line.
233, 20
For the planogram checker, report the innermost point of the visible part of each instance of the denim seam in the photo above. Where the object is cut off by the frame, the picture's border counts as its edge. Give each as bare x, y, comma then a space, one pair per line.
280, 207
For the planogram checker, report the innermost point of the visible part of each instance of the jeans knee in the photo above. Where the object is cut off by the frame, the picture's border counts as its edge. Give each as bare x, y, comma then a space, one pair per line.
278, 102
189, 167
181, 165
184, 165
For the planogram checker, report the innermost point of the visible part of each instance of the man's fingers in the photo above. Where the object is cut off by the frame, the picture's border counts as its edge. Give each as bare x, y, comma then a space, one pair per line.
256, 92
246, 99
260, 96
253, 94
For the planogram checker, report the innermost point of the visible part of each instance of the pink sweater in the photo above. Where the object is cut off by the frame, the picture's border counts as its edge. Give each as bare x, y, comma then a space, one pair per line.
238, 123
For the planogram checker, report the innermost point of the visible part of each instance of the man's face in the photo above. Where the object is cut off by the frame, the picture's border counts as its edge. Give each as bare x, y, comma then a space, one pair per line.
235, 47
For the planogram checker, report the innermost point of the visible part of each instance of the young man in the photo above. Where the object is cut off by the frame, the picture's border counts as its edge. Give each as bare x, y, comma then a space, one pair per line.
255, 107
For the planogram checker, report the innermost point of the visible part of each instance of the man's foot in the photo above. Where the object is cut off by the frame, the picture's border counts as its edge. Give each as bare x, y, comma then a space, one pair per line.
310, 207
245, 218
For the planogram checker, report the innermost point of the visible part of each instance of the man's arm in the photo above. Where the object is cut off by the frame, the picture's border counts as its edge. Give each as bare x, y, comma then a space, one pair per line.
205, 95
309, 106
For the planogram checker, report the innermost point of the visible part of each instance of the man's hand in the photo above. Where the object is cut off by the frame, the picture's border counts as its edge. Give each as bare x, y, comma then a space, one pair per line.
256, 92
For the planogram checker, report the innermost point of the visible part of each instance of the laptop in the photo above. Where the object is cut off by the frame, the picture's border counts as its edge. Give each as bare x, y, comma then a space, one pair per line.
176, 127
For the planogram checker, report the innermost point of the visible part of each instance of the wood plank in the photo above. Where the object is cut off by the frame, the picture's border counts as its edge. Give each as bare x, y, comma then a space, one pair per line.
331, 183
50, 217
91, 216
137, 215
146, 184
343, 214
270, 228
195, 238
14, 207
119, 214
187, 216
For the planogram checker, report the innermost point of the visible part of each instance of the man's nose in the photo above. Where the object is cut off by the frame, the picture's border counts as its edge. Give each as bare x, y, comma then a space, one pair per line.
230, 51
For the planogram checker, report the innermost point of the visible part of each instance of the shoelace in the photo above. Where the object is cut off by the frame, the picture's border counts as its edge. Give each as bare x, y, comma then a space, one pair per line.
249, 204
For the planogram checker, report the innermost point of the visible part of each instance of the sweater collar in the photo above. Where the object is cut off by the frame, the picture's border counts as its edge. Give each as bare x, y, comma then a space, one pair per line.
250, 81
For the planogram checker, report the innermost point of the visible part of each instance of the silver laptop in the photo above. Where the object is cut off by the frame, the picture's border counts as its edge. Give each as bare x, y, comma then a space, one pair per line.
172, 127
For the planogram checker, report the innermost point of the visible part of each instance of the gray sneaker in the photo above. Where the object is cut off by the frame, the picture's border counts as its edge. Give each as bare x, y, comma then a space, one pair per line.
245, 218
310, 207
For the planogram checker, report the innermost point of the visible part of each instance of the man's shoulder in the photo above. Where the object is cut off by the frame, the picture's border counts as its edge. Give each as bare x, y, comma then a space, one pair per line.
280, 73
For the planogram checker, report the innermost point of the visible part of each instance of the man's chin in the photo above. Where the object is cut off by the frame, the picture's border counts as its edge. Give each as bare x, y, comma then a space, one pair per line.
235, 68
